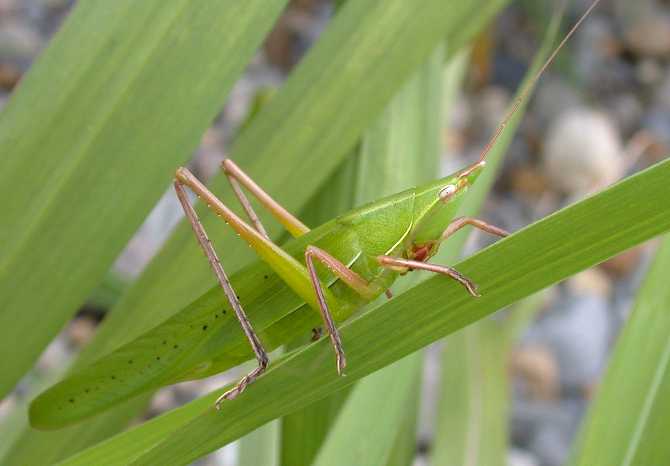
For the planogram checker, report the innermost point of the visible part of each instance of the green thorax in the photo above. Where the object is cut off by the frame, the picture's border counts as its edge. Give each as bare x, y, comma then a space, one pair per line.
413, 219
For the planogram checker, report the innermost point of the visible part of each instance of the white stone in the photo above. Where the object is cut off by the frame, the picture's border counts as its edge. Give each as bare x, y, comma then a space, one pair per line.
583, 152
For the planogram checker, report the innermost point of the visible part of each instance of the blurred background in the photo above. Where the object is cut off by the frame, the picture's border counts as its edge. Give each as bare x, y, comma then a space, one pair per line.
601, 112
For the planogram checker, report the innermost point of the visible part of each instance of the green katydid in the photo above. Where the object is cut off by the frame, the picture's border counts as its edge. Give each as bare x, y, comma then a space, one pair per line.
335, 269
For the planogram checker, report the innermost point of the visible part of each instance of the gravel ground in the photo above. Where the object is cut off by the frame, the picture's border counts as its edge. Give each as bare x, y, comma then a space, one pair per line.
601, 113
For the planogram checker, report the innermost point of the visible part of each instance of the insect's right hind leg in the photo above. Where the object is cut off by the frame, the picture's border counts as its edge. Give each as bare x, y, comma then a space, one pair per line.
184, 178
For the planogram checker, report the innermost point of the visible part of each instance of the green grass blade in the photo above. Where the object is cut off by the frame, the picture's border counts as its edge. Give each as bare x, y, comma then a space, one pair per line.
540, 255
472, 426
124, 93
269, 148
629, 421
474, 401
366, 414
304, 431
404, 447
260, 447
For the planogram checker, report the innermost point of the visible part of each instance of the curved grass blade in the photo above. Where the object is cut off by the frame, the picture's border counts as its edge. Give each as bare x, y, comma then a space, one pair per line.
628, 422
540, 255
124, 92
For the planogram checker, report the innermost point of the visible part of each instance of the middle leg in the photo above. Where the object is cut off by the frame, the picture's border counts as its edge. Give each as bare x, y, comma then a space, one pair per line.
408, 264
348, 276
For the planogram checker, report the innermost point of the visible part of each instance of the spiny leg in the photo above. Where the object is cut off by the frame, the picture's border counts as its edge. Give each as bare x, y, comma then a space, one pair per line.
215, 263
460, 222
398, 263
236, 177
453, 227
348, 276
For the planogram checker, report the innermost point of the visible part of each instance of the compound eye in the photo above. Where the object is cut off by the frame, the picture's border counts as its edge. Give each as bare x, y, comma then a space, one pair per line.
448, 191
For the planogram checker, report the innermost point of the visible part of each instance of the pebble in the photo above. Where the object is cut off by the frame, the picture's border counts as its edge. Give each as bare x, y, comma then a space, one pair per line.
649, 71
9, 7
537, 368
9, 76
81, 330
552, 99
517, 457
662, 92
626, 110
583, 152
595, 49
590, 281
162, 401
18, 44
552, 441
626, 263
650, 35
576, 330
657, 123
54, 355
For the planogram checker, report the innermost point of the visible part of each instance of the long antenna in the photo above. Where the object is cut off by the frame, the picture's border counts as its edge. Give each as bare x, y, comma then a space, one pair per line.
519, 100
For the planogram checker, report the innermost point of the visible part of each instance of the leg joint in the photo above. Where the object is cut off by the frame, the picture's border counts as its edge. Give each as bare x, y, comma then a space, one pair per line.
263, 361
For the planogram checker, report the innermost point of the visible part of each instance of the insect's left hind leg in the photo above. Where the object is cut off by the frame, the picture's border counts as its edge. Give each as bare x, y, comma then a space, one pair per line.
185, 178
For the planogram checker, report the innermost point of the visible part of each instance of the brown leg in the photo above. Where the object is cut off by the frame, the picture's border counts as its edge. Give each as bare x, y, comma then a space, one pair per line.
348, 276
407, 264
236, 177
454, 226
215, 263
460, 222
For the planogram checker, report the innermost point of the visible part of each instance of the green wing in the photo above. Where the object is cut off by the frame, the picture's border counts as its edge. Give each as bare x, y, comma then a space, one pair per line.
202, 339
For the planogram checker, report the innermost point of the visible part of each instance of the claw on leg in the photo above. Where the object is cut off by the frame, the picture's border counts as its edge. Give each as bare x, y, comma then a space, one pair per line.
341, 363
242, 384
467, 283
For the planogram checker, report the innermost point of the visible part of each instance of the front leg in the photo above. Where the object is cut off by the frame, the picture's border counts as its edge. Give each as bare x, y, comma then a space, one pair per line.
404, 265
460, 222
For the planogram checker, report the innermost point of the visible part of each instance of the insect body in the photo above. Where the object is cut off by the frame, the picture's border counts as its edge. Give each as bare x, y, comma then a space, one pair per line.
355, 257
334, 269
